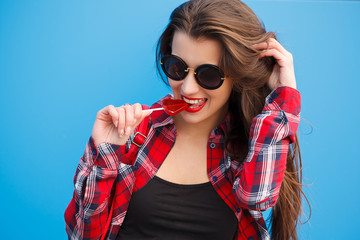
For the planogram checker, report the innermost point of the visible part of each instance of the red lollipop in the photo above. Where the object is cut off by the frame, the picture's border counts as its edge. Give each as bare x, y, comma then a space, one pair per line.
171, 106
174, 106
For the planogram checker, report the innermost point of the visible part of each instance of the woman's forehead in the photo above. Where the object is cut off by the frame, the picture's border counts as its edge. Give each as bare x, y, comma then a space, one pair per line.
196, 51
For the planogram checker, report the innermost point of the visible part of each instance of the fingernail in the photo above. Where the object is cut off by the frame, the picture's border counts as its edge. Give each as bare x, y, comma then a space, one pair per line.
128, 131
121, 133
116, 123
135, 120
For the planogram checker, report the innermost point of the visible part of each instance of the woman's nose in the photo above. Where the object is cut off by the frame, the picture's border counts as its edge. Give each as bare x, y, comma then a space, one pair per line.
190, 86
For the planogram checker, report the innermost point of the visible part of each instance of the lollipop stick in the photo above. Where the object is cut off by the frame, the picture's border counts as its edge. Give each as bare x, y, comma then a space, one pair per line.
152, 109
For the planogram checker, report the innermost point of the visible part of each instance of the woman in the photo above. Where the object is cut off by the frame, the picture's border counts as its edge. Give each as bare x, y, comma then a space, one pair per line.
209, 171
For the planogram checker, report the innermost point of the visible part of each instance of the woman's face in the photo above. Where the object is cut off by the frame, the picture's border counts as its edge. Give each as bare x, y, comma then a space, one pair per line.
210, 106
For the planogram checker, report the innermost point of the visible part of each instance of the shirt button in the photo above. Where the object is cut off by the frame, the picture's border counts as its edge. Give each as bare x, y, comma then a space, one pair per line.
94, 152
238, 210
251, 238
214, 178
212, 145
270, 100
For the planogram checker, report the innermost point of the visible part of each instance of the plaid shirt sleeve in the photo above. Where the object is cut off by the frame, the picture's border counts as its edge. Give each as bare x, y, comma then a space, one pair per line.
257, 182
87, 212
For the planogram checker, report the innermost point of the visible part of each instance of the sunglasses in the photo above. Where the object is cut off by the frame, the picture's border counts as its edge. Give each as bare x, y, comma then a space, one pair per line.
207, 76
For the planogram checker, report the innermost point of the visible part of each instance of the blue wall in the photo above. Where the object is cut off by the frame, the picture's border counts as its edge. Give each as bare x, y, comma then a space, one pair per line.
62, 61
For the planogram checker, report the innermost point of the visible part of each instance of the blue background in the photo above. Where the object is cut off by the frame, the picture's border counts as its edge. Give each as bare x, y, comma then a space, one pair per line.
62, 61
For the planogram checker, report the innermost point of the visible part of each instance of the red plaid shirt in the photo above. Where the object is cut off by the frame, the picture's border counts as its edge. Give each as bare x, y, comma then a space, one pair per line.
109, 174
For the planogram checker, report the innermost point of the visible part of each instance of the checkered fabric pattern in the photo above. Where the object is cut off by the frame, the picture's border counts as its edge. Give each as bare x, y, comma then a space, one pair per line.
107, 175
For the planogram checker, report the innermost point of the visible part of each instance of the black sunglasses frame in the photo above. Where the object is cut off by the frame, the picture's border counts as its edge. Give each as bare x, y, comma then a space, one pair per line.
186, 71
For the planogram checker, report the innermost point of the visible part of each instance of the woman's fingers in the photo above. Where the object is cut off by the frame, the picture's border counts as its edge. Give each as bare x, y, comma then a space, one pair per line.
115, 125
108, 114
283, 72
129, 116
272, 43
121, 125
281, 59
137, 112
114, 115
129, 119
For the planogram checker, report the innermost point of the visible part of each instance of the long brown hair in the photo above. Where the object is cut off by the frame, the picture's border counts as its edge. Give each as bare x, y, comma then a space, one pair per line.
236, 27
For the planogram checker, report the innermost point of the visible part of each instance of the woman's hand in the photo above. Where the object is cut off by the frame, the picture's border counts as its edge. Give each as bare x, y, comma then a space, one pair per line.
283, 72
115, 125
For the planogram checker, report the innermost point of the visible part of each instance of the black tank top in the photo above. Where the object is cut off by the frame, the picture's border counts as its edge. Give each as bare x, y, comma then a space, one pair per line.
166, 210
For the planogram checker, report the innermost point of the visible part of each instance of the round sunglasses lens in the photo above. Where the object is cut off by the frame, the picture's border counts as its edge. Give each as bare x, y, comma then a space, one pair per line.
174, 68
209, 77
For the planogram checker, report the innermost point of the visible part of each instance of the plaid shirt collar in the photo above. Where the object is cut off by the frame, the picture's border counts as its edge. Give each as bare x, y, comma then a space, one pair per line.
161, 119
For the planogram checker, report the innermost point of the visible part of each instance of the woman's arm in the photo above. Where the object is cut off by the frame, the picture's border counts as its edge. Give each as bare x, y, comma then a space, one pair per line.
108, 147
257, 182
88, 210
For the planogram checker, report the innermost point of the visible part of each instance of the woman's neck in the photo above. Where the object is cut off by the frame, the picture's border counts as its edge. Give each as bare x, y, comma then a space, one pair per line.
195, 130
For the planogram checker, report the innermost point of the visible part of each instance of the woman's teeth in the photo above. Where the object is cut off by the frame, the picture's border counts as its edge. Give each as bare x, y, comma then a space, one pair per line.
194, 103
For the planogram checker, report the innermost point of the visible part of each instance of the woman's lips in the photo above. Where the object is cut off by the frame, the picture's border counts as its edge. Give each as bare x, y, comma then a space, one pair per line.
195, 104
